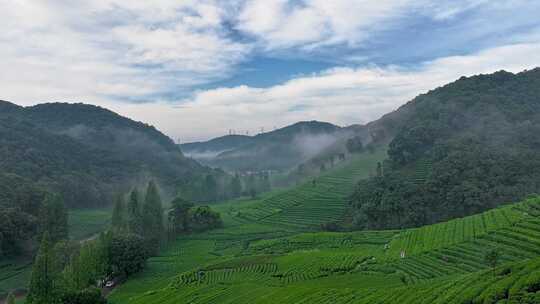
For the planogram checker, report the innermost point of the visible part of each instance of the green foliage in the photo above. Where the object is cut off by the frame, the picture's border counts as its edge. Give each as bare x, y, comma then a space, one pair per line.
134, 216
44, 273
118, 220
179, 215
53, 218
202, 218
16, 227
88, 266
153, 217
91, 295
128, 254
476, 143
85, 153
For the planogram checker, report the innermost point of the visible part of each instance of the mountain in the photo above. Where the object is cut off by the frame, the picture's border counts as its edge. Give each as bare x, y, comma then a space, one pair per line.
280, 149
86, 153
458, 150
213, 147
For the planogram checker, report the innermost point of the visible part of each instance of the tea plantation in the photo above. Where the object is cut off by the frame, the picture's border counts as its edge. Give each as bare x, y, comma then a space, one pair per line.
270, 252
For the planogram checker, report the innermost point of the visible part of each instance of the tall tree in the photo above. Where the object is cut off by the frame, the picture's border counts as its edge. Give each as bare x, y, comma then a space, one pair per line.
128, 254
211, 187
179, 215
153, 217
118, 219
134, 221
236, 186
42, 288
53, 218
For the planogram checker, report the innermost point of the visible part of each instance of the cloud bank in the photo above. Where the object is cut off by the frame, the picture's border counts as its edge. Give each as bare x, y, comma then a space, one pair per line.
159, 61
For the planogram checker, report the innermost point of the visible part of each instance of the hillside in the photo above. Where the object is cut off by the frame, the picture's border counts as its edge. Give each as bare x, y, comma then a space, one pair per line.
458, 150
68, 147
281, 149
442, 263
87, 154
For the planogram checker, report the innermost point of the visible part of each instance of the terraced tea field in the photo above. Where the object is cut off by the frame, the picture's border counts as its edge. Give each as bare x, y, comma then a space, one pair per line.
321, 200
443, 263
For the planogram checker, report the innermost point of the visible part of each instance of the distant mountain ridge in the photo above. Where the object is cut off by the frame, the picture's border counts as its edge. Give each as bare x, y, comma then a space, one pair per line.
280, 149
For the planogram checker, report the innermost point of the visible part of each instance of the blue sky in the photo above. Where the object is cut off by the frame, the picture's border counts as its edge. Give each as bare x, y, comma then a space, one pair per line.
196, 69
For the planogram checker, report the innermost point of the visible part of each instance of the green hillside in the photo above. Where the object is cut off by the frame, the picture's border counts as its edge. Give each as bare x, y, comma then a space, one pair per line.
457, 150
443, 263
321, 200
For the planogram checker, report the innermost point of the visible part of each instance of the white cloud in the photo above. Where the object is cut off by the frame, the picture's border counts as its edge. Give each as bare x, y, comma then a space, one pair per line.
341, 95
317, 23
107, 51
90, 50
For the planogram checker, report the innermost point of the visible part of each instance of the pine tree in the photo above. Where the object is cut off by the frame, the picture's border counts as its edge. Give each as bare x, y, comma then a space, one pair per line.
53, 218
41, 289
134, 221
118, 221
10, 298
153, 217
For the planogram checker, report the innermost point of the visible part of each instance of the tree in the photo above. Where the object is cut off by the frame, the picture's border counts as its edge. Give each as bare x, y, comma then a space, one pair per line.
153, 217
42, 287
354, 145
179, 215
90, 295
211, 187
53, 218
236, 186
203, 218
10, 298
118, 220
16, 226
134, 218
128, 254
265, 182
252, 186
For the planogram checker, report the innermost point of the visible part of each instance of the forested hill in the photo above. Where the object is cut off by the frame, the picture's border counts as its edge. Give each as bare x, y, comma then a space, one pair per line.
85, 153
457, 150
279, 149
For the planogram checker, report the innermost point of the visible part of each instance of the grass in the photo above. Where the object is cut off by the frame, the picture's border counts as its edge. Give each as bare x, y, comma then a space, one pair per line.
85, 223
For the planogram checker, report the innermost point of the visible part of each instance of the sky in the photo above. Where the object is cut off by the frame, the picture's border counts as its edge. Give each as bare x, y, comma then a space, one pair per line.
197, 69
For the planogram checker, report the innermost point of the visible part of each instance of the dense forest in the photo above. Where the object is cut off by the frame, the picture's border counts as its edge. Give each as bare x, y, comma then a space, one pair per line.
458, 150
86, 154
